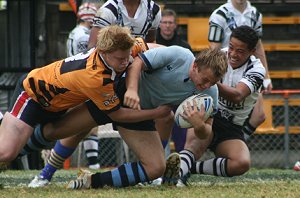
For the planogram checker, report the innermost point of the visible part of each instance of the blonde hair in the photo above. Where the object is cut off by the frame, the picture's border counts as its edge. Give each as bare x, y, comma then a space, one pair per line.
215, 59
112, 38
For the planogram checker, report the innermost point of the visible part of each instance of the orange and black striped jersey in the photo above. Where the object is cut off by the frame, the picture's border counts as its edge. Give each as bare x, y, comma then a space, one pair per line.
69, 82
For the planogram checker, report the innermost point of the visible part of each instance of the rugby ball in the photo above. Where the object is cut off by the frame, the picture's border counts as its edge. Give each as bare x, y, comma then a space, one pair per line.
204, 99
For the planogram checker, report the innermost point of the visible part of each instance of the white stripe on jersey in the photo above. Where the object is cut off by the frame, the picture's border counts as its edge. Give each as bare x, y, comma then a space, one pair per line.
251, 74
226, 17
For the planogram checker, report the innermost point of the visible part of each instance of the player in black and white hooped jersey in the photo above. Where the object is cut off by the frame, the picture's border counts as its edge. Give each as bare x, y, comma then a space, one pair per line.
141, 16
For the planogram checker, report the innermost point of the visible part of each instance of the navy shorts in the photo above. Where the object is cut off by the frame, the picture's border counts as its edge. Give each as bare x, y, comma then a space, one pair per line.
224, 130
29, 111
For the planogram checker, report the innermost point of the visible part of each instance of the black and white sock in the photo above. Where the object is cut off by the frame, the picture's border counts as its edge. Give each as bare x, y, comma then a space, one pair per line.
187, 159
215, 166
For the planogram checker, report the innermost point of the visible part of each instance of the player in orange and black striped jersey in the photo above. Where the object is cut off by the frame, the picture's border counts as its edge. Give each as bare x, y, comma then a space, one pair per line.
48, 92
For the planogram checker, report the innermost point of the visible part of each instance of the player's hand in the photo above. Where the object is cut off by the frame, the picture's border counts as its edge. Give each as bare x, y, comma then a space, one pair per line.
132, 99
195, 116
267, 86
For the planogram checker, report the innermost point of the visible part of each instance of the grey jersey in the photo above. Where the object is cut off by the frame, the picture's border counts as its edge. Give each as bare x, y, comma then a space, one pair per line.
166, 80
226, 18
252, 74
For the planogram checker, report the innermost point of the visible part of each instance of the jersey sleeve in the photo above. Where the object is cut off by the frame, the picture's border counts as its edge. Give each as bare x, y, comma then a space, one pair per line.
217, 22
254, 76
104, 17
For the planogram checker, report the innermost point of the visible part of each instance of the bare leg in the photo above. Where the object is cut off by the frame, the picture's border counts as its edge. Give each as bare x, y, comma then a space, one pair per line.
14, 134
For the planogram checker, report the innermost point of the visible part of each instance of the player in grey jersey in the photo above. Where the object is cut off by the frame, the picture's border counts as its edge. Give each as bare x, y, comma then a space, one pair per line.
238, 92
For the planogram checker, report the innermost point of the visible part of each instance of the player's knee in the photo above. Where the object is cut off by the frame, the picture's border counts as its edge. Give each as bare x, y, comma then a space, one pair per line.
241, 166
238, 166
49, 132
155, 170
7, 154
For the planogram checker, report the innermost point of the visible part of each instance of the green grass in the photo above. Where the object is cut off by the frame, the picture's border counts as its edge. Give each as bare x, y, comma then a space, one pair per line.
264, 183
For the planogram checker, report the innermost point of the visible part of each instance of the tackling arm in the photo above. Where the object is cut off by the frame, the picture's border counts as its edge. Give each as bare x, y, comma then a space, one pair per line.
234, 94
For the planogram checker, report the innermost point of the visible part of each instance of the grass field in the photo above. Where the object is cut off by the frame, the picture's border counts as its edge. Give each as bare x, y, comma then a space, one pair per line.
263, 183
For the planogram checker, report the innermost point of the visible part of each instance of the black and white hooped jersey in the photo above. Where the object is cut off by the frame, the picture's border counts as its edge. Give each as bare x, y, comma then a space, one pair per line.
78, 40
252, 74
147, 16
226, 18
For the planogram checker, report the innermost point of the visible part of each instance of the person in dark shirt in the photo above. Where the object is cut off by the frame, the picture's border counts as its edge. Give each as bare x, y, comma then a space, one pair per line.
167, 34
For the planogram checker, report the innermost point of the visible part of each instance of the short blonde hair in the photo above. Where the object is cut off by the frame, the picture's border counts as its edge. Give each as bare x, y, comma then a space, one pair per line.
112, 38
215, 59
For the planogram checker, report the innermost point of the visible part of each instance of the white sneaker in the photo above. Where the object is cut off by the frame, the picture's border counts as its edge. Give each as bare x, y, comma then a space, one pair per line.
94, 166
83, 180
297, 166
180, 183
155, 182
171, 174
38, 181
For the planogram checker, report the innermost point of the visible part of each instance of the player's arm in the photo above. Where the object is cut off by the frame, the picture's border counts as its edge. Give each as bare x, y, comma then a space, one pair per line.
131, 115
260, 53
131, 98
93, 37
215, 45
234, 94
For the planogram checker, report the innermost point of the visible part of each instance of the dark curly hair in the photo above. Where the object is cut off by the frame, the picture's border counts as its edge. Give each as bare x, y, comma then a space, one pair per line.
247, 35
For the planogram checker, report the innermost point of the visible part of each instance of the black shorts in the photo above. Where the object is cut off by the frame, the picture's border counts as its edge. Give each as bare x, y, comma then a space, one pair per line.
224, 130
102, 118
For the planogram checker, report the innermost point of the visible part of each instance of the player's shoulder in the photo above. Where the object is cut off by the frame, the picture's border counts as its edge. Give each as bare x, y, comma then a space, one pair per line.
220, 14
255, 65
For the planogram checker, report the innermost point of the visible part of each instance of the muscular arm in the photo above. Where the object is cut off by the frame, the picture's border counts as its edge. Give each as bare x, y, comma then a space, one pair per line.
234, 94
130, 115
131, 98
93, 37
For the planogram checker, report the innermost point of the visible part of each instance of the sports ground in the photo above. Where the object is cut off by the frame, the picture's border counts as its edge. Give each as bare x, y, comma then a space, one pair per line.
262, 183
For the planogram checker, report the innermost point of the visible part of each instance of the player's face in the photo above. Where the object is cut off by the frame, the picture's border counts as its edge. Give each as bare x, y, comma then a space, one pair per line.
238, 52
203, 79
118, 59
167, 26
